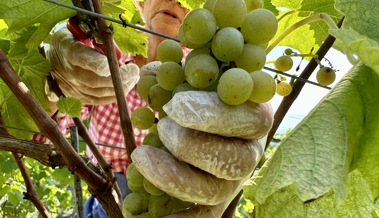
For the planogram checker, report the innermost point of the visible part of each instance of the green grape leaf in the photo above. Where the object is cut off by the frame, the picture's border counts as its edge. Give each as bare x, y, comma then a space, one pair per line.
365, 48
361, 16
315, 161
128, 39
70, 106
25, 13
310, 35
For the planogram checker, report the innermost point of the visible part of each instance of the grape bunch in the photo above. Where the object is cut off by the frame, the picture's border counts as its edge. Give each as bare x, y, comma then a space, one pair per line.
224, 68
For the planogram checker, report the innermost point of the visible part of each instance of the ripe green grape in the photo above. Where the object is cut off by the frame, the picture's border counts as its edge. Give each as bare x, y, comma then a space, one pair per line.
158, 97
253, 4
135, 203
201, 71
252, 58
199, 26
259, 26
144, 84
203, 50
133, 176
235, 86
264, 87
159, 206
182, 88
151, 188
136, 189
152, 139
142, 118
229, 13
183, 39
227, 44
208, 4
169, 75
325, 76
169, 50
283, 63
283, 88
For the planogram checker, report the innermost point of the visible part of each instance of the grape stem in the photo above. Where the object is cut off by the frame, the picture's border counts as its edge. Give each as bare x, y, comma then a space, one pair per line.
320, 16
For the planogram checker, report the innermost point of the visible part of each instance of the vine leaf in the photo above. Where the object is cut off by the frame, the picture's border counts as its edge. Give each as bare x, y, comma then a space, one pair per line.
70, 106
25, 13
314, 163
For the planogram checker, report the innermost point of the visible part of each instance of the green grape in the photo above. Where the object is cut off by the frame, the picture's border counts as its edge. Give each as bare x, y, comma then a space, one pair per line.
159, 206
153, 139
183, 39
151, 188
144, 84
162, 114
208, 4
143, 118
227, 44
325, 76
283, 63
182, 88
283, 88
135, 203
169, 50
133, 176
158, 97
169, 75
203, 50
179, 205
259, 26
229, 13
201, 71
264, 87
235, 86
199, 26
288, 51
137, 189
252, 58
253, 4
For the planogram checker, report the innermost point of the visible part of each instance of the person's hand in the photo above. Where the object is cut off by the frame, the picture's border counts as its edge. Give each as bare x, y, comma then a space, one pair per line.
214, 148
83, 72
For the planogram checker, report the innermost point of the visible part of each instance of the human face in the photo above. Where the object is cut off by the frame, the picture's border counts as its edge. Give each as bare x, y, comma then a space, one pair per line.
163, 16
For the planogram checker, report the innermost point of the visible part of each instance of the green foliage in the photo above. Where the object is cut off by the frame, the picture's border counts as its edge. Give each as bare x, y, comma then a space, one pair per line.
54, 187
70, 106
326, 158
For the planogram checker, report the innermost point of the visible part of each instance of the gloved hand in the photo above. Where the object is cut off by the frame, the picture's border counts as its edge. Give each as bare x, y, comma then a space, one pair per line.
83, 72
214, 148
